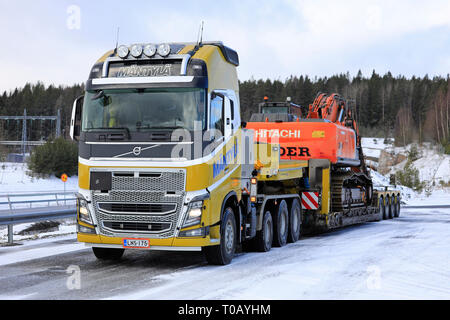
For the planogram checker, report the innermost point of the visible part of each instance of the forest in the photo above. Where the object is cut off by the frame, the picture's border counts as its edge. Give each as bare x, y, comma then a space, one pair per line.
407, 109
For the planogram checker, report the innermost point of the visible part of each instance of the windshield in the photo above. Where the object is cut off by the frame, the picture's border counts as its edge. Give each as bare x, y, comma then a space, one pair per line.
144, 109
275, 110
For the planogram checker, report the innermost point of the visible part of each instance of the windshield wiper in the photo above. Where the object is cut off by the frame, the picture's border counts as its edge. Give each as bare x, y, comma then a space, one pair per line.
98, 95
106, 100
147, 127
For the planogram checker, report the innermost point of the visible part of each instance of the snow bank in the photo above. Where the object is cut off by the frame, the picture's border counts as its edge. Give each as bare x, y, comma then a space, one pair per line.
14, 180
433, 167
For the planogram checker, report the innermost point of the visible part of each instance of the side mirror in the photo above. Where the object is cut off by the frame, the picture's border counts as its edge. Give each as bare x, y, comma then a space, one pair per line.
243, 124
75, 123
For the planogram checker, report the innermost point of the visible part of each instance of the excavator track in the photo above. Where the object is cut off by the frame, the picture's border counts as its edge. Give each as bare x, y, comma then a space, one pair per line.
337, 191
343, 197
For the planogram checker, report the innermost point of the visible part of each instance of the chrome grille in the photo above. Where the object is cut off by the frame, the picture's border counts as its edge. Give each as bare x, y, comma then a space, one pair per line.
160, 181
141, 195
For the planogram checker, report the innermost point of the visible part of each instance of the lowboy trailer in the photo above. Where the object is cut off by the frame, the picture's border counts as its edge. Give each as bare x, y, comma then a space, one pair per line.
165, 162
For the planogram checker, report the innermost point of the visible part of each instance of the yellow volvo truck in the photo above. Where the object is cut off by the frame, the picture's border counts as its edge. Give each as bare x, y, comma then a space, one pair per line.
165, 162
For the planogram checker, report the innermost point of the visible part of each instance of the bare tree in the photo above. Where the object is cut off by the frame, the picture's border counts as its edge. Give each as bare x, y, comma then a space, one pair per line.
404, 126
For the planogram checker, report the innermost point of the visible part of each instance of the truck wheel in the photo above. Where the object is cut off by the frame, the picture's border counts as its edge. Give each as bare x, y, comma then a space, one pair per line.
385, 208
264, 238
388, 208
281, 225
398, 207
295, 221
108, 254
382, 209
393, 208
223, 253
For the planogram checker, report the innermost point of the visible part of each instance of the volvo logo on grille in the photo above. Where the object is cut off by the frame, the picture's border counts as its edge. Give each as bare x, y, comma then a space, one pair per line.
137, 151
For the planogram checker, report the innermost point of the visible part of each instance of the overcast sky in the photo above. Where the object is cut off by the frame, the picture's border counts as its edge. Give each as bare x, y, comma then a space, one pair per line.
57, 41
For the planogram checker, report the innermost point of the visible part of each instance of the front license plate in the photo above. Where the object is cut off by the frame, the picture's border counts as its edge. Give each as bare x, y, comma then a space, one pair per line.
136, 243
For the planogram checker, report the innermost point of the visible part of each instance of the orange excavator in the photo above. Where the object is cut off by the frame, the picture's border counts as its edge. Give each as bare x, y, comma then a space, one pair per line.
329, 132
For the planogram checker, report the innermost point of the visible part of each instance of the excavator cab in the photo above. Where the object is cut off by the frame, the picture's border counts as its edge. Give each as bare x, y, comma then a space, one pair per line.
278, 112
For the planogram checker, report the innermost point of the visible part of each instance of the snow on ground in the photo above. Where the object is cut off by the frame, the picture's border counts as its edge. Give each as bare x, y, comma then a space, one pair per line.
405, 258
433, 167
372, 146
438, 197
380, 181
37, 249
67, 227
15, 180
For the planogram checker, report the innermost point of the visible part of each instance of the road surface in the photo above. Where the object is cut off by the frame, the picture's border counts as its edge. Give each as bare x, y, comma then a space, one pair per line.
404, 258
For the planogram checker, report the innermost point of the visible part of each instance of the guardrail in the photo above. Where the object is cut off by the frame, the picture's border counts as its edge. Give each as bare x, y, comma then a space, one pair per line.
11, 196
14, 215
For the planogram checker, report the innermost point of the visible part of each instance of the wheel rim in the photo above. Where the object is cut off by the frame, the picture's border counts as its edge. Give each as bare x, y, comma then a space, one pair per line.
229, 237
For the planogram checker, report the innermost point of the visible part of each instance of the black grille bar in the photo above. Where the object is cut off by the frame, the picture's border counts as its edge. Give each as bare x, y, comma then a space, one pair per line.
137, 226
138, 208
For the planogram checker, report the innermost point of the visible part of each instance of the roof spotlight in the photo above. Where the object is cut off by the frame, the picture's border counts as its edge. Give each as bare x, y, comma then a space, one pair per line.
136, 50
123, 52
150, 50
164, 50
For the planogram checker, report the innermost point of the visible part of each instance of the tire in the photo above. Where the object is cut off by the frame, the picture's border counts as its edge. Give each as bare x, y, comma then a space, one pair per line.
394, 207
385, 209
108, 254
281, 225
388, 208
264, 238
382, 209
398, 207
295, 222
223, 253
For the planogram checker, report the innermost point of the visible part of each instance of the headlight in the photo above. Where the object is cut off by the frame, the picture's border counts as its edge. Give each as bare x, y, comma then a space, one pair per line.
164, 50
83, 229
136, 50
83, 212
123, 52
202, 232
194, 215
150, 50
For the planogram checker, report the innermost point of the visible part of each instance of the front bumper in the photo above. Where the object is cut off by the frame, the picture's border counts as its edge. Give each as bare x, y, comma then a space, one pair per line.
169, 244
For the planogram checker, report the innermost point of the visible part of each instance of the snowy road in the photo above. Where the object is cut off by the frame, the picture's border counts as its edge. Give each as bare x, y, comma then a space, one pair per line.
405, 258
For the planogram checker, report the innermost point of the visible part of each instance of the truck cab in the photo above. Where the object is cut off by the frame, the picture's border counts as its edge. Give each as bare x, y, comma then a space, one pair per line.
159, 137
